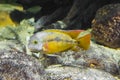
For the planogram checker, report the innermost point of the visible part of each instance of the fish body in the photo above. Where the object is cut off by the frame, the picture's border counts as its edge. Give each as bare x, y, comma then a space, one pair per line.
54, 41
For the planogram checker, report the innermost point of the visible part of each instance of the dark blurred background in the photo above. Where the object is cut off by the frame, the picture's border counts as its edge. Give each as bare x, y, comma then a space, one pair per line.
73, 14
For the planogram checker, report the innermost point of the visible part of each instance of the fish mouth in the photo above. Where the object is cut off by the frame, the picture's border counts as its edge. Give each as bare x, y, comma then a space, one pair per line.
33, 49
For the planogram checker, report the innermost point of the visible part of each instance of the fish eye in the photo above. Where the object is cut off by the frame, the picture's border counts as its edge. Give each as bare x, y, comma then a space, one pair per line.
35, 42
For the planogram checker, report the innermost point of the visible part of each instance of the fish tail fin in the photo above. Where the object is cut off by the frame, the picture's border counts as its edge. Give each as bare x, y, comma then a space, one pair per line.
84, 41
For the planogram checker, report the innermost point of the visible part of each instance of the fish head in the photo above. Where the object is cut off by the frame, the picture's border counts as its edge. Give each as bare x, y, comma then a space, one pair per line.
36, 42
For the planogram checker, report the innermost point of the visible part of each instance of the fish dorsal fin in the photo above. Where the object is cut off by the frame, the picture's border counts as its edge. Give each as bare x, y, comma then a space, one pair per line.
72, 33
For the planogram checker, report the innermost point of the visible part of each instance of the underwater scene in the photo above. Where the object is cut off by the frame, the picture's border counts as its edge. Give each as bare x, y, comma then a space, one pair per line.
59, 40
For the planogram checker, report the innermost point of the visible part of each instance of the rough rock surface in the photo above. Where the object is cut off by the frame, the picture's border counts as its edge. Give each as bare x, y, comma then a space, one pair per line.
106, 26
15, 65
72, 73
97, 56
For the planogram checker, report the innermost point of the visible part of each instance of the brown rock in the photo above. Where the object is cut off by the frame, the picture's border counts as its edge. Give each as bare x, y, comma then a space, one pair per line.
106, 26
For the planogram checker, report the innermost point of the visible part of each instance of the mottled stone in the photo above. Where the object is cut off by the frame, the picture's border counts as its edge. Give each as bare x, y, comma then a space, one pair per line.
15, 65
97, 56
76, 73
106, 26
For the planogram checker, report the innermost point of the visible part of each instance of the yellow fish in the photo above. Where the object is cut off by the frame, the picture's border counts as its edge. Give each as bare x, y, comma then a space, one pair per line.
5, 10
5, 19
54, 40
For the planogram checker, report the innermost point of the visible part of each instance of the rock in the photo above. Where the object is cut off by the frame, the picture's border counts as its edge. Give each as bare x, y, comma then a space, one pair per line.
15, 65
97, 56
106, 26
72, 73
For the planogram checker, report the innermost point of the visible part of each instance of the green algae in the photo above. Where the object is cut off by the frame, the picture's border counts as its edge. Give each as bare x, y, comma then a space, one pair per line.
17, 35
